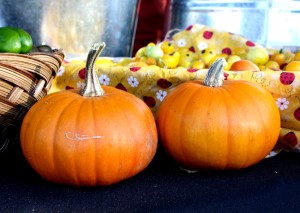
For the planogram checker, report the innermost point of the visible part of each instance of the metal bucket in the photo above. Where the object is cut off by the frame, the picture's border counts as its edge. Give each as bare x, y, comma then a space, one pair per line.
245, 17
75, 25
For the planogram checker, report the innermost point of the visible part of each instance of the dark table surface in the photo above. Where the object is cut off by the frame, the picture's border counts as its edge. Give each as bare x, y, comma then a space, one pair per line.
273, 185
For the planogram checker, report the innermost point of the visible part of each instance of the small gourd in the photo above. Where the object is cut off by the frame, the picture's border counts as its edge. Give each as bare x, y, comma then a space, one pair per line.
216, 124
94, 137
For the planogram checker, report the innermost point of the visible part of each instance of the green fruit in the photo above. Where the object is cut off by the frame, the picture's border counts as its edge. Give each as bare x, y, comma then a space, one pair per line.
14, 40
154, 52
258, 55
26, 40
9, 41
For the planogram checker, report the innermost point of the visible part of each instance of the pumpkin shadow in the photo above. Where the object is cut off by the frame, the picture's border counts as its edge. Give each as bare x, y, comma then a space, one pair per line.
10, 148
162, 161
9, 137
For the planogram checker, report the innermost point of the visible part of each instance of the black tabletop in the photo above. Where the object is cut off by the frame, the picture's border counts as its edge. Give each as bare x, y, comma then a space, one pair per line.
273, 185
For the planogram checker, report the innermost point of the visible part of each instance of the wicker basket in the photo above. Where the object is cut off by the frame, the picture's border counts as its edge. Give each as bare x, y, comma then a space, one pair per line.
24, 79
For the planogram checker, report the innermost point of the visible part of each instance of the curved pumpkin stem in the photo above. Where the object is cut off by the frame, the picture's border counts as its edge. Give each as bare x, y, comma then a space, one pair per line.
215, 74
92, 86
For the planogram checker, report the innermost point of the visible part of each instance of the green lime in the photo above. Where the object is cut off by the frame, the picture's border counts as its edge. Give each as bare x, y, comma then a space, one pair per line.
26, 40
15, 40
9, 40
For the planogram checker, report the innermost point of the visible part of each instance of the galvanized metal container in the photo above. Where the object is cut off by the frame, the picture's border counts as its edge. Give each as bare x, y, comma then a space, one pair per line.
284, 27
245, 17
75, 25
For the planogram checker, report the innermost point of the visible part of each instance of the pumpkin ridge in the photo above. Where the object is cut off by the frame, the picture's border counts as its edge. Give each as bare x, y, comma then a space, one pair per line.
183, 148
94, 105
134, 157
56, 130
82, 112
226, 94
182, 93
236, 102
136, 103
207, 93
115, 101
263, 115
216, 92
125, 169
198, 91
244, 91
24, 129
34, 111
57, 160
255, 109
240, 102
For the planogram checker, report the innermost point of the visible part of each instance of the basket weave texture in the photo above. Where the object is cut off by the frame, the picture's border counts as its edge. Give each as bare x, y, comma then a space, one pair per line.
24, 79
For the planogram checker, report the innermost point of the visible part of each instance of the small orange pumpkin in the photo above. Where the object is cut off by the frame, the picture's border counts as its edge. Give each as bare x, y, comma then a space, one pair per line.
94, 137
218, 125
244, 65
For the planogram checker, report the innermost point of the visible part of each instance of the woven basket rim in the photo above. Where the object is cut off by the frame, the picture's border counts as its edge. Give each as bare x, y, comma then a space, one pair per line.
12, 111
16, 95
28, 82
24, 79
31, 61
54, 55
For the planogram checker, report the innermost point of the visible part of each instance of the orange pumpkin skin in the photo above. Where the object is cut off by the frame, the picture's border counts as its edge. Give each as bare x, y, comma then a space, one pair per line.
89, 141
243, 65
229, 127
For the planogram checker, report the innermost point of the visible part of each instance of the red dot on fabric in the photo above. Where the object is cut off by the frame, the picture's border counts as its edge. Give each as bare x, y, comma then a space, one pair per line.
81, 73
69, 87
227, 51
134, 69
121, 87
192, 49
150, 101
189, 28
291, 138
226, 75
250, 44
207, 34
297, 114
163, 83
192, 70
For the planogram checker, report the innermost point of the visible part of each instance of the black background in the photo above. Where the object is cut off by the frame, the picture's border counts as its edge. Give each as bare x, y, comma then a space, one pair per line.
273, 185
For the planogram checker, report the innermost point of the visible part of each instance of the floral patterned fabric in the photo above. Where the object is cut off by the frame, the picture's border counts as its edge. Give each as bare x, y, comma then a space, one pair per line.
199, 37
152, 83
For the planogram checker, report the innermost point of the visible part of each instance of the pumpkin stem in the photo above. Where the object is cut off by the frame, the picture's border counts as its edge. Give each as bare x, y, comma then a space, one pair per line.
215, 74
92, 86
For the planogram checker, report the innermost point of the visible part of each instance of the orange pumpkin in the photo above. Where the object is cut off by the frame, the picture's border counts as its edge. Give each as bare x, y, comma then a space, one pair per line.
244, 65
218, 125
94, 137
